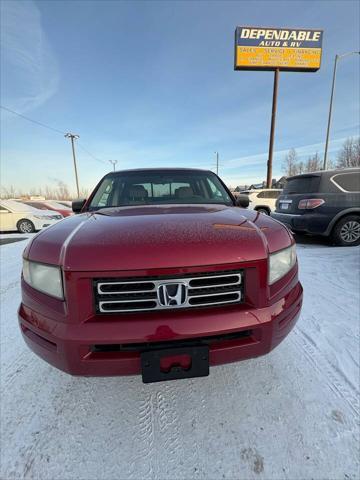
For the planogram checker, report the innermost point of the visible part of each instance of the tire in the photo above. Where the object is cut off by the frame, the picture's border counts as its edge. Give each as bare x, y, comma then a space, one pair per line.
347, 231
263, 210
25, 226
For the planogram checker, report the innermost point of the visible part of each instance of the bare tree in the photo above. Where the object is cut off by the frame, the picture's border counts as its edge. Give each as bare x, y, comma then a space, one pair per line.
290, 165
349, 155
313, 163
301, 167
61, 192
84, 193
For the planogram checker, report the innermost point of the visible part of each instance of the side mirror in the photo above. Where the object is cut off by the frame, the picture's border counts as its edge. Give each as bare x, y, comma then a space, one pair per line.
77, 205
242, 201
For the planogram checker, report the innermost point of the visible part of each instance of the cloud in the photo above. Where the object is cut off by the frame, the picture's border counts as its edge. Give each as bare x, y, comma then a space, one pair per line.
303, 152
30, 74
252, 168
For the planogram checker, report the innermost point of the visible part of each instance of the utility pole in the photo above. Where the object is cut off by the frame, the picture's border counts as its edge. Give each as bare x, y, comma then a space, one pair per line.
113, 163
217, 162
73, 136
272, 130
337, 57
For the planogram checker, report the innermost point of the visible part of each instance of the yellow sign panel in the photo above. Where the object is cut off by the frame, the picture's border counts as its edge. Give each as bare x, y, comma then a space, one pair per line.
285, 49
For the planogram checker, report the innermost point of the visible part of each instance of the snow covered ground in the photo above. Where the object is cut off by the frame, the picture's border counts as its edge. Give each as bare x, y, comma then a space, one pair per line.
290, 415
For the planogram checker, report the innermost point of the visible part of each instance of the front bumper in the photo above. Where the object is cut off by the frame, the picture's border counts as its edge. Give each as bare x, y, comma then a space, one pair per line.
71, 347
39, 224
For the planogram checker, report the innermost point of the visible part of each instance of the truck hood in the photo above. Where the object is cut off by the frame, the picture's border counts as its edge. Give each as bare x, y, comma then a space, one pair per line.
148, 237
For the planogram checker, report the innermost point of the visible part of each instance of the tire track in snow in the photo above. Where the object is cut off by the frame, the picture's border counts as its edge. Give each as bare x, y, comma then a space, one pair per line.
9, 286
32, 454
11, 371
227, 381
28, 449
197, 398
169, 428
335, 378
158, 445
141, 465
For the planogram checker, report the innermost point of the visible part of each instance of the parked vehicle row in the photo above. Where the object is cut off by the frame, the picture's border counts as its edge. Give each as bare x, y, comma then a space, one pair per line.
50, 205
29, 216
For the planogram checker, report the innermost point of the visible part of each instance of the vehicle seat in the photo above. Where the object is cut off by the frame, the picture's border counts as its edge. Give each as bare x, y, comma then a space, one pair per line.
136, 193
184, 192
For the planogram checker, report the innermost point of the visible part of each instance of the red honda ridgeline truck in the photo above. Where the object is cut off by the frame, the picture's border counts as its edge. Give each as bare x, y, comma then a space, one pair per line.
161, 274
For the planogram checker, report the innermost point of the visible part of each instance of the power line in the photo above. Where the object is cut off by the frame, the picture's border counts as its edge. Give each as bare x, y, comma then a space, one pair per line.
33, 121
89, 153
50, 128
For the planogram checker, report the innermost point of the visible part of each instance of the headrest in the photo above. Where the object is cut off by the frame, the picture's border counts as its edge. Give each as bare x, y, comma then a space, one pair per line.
137, 191
184, 192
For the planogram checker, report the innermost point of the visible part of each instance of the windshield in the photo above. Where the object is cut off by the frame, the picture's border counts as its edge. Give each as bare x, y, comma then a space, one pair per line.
157, 188
39, 206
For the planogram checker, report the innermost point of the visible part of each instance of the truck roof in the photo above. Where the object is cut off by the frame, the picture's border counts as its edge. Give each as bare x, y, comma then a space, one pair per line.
162, 169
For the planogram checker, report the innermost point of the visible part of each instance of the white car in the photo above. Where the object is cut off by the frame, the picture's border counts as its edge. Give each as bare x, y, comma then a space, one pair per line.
66, 203
263, 200
18, 216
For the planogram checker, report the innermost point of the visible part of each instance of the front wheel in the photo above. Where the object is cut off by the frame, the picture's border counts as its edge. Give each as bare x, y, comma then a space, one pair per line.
25, 226
347, 231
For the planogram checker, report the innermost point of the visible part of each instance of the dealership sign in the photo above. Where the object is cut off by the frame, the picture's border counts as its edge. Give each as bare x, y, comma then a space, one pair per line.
259, 48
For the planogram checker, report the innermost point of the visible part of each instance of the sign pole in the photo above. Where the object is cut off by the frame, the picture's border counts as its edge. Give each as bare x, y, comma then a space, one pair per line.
272, 130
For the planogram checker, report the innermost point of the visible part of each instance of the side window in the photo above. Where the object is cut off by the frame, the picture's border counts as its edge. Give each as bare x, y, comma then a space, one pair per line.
39, 206
215, 192
274, 194
268, 194
350, 182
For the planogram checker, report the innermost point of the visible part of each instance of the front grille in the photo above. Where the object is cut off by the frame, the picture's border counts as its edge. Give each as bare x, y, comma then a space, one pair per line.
165, 293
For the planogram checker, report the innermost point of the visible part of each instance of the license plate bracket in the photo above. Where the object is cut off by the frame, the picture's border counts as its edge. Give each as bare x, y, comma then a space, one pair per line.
152, 370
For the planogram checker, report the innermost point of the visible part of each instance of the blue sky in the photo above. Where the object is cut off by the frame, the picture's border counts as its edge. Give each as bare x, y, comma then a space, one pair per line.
152, 84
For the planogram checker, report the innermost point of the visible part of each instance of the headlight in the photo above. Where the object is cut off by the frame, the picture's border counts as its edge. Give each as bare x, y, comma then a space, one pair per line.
45, 278
281, 262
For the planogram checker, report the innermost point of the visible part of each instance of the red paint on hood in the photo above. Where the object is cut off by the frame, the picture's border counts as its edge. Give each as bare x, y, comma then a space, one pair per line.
147, 237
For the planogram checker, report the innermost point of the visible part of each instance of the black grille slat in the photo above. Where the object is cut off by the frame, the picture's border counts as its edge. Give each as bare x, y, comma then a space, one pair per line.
127, 287
140, 347
209, 282
209, 290
130, 306
122, 295
132, 296
216, 298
